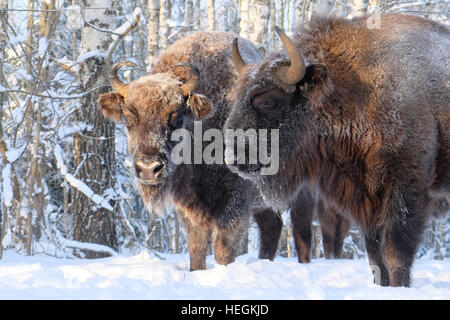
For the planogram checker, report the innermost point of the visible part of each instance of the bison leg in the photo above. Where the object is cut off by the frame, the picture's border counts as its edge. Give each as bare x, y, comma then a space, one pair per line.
334, 230
197, 237
342, 228
227, 241
302, 211
374, 242
401, 244
328, 224
270, 225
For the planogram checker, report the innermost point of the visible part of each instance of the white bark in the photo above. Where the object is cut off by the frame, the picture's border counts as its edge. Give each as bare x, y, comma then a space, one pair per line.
92, 39
259, 19
372, 6
359, 7
211, 15
197, 15
189, 14
280, 13
244, 23
153, 31
273, 22
163, 24
298, 11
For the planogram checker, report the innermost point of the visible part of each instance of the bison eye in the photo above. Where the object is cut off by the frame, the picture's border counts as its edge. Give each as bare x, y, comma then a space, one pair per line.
175, 119
269, 100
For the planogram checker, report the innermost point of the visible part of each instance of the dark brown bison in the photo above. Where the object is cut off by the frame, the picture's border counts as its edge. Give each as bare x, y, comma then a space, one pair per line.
210, 199
364, 115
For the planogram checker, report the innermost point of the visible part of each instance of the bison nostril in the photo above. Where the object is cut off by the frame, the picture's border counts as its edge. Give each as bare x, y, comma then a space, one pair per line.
146, 170
157, 169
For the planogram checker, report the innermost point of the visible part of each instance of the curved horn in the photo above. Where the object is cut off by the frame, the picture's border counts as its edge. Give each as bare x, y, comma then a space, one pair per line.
193, 80
116, 83
238, 62
295, 72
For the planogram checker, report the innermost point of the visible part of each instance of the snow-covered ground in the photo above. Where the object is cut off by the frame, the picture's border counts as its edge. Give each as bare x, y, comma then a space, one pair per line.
145, 276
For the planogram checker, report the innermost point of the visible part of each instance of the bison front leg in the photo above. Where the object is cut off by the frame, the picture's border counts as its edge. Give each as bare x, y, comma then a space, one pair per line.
374, 242
302, 211
270, 226
197, 237
228, 241
402, 241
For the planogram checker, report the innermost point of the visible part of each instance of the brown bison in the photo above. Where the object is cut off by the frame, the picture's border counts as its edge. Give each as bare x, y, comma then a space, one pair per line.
364, 115
210, 199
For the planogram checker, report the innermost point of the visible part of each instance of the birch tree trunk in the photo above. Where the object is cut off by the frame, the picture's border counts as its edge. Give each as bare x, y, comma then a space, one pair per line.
190, 15
244, 18
259, 19
164, 24
273, 23
153, 32
359, 7
372, 6
211, 15
197, 15
298, 11
29, 128
280, 14
94, 147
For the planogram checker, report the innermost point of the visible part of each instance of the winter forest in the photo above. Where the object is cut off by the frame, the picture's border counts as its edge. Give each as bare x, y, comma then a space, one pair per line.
66, 187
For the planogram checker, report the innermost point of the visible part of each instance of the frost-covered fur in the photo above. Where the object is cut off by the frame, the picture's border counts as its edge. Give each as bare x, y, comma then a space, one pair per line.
210, 199
369, 125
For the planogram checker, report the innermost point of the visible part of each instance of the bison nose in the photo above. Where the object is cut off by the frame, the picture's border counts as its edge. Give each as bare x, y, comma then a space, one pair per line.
149, 171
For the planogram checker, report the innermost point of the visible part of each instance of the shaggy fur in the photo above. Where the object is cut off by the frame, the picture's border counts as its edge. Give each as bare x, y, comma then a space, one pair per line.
369, 125
211, 200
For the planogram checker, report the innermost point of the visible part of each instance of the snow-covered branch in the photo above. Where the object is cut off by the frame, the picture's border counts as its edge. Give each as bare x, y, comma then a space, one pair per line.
122, 31
78, 184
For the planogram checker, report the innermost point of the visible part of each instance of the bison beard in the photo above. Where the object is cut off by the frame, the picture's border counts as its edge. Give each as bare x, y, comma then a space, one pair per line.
368, 124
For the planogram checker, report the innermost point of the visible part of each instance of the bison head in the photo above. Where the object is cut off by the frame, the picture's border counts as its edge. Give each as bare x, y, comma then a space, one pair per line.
152, 107
276, 93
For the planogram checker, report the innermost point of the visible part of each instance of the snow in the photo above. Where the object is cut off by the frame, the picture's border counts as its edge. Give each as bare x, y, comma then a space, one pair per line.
137, 13
42, 48
89, 55
145, 276
13, 154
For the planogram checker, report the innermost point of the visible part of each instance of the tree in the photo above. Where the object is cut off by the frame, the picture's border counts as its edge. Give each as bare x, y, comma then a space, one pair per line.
94, 147
244, 24
258, 21
153, 32
211, 15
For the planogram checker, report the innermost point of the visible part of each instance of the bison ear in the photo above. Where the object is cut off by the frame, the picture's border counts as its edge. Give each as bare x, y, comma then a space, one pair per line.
199, 105
111, 105
315, 77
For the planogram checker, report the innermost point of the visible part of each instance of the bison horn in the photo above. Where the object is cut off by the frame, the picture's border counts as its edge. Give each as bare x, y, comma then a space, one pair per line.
194, 78
295, 72
116, 83
238, 62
